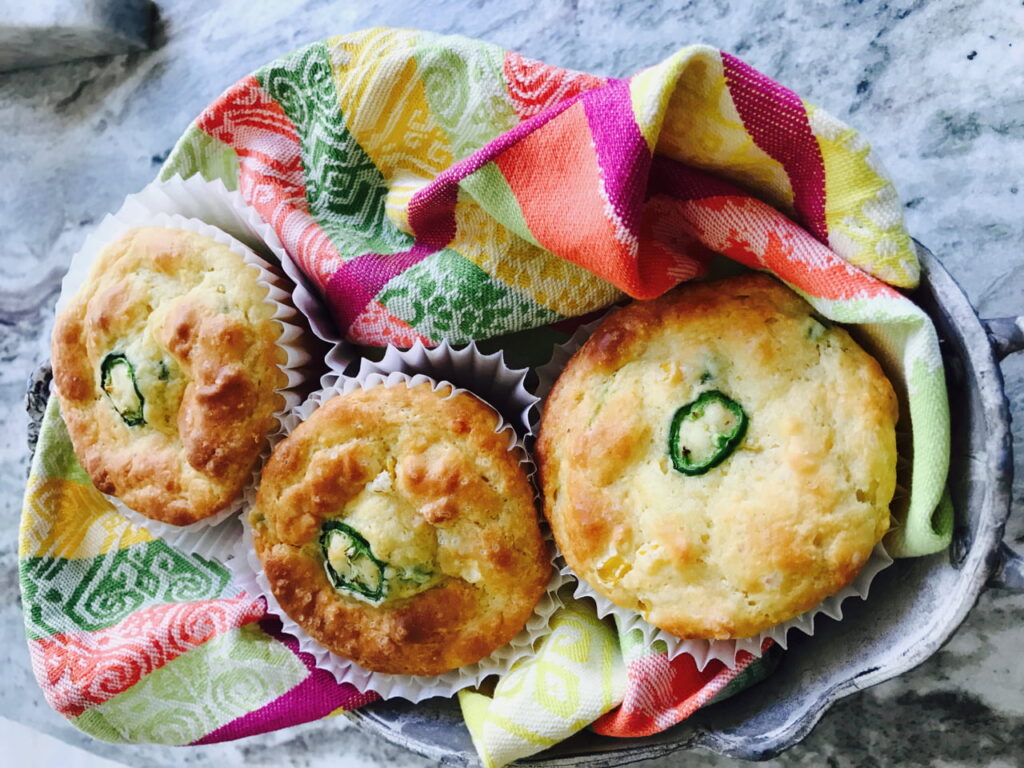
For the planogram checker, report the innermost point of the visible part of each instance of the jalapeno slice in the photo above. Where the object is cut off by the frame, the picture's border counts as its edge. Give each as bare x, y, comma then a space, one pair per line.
350, 563
117, 378
705, 432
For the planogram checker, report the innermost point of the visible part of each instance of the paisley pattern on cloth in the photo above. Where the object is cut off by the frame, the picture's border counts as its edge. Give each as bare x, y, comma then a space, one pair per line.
134, 641
438, 188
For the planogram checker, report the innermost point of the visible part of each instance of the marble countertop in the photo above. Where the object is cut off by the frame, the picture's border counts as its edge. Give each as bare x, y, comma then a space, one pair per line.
936, 87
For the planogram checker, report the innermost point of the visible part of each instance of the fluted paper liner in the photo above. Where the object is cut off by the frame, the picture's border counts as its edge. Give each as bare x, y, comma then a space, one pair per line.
438, 366
702, 651
159, 205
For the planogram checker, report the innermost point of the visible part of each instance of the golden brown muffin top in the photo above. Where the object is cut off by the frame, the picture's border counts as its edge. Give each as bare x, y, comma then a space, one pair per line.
719, 459
165, 364
398, 530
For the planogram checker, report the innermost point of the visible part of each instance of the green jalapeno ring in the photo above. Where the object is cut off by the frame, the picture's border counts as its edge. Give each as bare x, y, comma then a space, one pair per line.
724, 443
357, 549
132, 416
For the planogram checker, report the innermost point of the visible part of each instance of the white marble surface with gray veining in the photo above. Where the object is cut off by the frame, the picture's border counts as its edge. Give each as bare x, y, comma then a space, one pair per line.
936, 86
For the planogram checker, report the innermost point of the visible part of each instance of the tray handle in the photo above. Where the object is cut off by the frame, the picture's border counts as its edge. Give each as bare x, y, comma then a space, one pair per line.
1007, 336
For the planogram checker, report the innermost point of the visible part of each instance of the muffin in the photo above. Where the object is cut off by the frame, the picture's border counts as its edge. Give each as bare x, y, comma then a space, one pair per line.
166, 364
719, 459
398, 530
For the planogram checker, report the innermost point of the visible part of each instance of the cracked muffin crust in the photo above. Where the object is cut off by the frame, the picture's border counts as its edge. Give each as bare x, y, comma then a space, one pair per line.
719, 459
166, 364
398, 529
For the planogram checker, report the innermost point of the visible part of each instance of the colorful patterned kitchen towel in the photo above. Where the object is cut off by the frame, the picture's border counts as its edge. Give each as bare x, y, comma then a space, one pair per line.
442, 188
134, 641
576, 676
587, 673
663, 692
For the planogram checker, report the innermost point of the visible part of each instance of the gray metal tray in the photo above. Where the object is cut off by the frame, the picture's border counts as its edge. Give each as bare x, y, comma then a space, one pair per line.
915, 606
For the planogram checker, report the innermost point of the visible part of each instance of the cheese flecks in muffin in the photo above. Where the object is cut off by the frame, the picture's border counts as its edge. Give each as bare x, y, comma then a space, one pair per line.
396, 528
166, 366
719, 459
405, 542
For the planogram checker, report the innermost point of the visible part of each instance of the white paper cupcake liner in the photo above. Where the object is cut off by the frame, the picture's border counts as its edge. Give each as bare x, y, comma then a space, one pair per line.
702, 651
727, 651
486, 376
213, 536
410, 368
